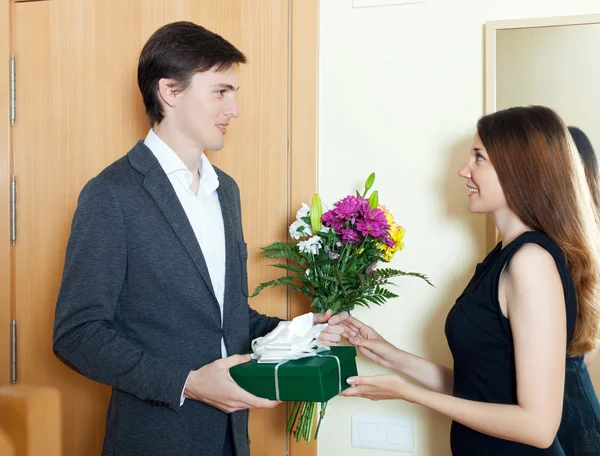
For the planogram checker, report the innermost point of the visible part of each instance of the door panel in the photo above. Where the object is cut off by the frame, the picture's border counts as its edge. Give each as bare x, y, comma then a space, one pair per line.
80, 110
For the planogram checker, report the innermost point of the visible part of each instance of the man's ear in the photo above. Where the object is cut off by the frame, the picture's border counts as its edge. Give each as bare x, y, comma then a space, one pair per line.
168, 89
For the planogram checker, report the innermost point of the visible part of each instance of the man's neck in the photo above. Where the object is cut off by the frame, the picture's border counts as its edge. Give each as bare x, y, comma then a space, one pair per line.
179, 143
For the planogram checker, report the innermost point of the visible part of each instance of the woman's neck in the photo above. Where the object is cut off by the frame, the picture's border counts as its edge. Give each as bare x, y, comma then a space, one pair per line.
509, 225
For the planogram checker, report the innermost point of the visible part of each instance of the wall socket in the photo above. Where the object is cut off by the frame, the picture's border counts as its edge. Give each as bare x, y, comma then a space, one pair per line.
383, 433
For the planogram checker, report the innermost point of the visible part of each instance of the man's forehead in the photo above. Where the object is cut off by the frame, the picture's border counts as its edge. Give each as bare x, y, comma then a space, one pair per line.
226, 79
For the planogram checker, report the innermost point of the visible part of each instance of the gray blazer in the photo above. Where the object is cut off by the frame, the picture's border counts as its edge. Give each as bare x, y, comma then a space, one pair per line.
137, 311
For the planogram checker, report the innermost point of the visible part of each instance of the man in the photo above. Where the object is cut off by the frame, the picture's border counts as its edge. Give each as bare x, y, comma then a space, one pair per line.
154, 294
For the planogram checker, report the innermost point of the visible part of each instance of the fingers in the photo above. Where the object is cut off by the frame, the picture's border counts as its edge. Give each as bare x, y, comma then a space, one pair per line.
327, 337
369, 354
331, 334
359, 328
339, 318
254, 401
237, 406
330, 343
231, 407
266, 403
349, 329
358, 380
358, 391
240, 399
337, 329
354, 322
322, 317
234, 360
362, 342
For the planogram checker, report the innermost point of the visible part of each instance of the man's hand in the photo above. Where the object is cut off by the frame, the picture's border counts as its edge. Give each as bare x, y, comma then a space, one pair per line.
213, 385
332, 334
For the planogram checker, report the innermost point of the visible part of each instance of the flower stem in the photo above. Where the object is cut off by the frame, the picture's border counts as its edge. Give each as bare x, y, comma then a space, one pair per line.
293, 417
321, 416
303, 421
299, 424
311, 423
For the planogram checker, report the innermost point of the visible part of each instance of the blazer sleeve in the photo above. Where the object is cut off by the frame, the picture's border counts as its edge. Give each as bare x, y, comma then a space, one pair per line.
261, 324
85, 337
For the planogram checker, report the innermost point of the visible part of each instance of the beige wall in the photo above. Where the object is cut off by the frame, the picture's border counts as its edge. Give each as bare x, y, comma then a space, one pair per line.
401, 89
554, 66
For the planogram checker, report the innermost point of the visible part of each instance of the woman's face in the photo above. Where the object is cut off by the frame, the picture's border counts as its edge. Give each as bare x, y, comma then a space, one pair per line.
484, 190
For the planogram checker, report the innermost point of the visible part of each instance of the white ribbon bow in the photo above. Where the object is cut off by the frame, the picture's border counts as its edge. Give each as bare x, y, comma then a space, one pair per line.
290, 340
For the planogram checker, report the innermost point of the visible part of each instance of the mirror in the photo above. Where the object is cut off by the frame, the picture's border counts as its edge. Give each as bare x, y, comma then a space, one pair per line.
553, 62
554, 66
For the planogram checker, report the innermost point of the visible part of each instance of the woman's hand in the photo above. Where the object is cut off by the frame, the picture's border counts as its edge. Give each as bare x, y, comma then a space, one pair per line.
379, 387
370, 343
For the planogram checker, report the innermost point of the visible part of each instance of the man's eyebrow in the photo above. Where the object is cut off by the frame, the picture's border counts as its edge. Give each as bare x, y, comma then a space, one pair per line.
226, 86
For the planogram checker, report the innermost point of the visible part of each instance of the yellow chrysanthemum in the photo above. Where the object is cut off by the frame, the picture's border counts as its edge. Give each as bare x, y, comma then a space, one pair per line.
396, 233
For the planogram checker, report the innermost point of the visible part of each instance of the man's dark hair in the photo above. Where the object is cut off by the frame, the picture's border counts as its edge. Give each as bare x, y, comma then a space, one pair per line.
178, 51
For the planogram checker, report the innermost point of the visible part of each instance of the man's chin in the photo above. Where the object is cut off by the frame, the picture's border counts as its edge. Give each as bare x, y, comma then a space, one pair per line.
216, 147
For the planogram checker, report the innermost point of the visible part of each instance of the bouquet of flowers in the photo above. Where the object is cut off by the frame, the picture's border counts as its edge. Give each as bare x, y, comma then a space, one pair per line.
332, 260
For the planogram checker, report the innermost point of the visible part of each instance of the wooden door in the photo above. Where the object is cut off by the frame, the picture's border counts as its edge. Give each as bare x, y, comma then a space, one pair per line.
79, 109
5, 177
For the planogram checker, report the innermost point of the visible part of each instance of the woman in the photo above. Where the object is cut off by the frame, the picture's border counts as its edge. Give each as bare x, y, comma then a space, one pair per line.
533, 300
579, 431
590, 161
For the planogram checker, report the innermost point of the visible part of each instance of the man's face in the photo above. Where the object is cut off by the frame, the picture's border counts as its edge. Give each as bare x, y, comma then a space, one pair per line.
204, 108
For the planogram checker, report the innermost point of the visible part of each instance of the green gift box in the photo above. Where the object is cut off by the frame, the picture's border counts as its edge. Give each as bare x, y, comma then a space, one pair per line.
314, 379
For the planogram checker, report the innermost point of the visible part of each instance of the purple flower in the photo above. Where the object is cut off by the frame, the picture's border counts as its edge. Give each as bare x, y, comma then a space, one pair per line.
350, 236
374, 224
331, 220
345, 210
371, 268
333, 255
350, 207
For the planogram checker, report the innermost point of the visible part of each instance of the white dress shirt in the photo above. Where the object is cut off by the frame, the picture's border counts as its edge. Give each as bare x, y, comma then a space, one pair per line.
203, 211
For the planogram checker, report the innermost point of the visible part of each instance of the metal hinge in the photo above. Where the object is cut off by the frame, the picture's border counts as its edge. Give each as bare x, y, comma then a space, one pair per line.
13, 352
13, 91
13, 210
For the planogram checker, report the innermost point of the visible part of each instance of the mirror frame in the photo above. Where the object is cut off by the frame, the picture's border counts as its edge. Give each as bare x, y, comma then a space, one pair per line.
492, 237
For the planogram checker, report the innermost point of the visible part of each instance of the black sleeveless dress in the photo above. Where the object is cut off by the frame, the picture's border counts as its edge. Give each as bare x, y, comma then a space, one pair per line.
579, 431
481, 342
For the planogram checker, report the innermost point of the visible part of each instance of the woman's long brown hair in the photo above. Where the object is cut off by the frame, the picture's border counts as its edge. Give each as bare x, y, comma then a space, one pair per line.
544, 182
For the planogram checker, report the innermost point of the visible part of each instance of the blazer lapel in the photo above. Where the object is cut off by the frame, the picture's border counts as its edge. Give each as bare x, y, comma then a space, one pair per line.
227, 206
159, 187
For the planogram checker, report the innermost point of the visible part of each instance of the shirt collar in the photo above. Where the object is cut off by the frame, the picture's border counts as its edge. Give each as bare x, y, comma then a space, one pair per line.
172, 164
209, 180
